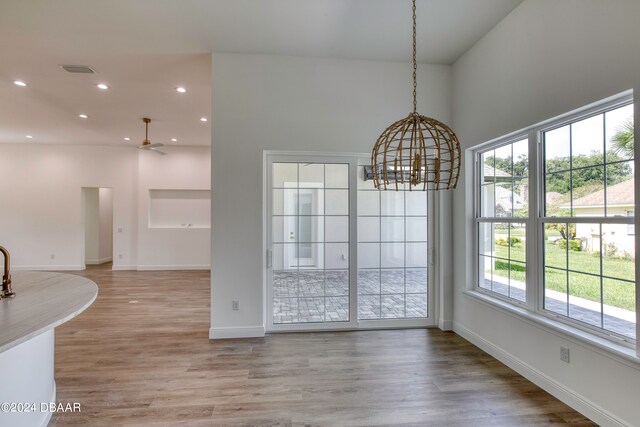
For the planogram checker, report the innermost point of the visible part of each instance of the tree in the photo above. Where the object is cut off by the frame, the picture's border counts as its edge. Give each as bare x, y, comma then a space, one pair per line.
567, 234
622, 141
517, 168
588, 170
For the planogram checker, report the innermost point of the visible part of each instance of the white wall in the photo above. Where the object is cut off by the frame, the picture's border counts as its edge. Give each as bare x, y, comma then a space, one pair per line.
98, 225
105, 239
91, 225
546, 58
41, 215
183, 168
40, 187
286, 103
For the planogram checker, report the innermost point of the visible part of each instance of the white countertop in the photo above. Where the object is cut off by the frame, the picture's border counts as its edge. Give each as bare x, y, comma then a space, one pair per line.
43, 301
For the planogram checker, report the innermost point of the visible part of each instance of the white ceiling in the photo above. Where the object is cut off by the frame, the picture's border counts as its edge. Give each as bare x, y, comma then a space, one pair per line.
145, 48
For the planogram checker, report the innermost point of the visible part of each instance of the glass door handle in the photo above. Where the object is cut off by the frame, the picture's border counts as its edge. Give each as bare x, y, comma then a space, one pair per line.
269, 258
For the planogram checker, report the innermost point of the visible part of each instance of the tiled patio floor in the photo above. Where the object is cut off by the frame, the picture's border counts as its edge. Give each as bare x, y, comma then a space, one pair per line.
323, 295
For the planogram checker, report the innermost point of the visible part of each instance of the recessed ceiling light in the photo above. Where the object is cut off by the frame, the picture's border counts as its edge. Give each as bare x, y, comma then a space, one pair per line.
203, 119
19, 83
126, 138
102, 86
29, 136
83, 116
181, 89
174, 139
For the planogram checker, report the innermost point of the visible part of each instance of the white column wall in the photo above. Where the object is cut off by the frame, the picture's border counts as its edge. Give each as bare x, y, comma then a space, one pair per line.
263, 102
105, 247
183, 168
546, 58
91, 225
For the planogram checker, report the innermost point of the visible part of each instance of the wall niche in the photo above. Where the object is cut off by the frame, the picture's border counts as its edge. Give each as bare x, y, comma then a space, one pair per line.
179, 208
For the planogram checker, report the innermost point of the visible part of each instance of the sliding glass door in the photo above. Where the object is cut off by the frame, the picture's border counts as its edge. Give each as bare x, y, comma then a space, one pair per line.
340, 254
393, 247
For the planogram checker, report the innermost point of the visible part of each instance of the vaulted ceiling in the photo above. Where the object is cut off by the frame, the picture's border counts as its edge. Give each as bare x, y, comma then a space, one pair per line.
144, 49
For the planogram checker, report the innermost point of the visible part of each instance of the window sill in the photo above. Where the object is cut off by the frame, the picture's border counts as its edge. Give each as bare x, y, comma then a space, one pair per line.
607, 348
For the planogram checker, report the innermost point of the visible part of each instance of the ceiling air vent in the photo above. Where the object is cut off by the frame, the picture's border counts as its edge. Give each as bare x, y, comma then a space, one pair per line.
83, 69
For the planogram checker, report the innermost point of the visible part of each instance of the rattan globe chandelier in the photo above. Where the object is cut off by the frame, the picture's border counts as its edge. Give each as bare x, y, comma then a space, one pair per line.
417, 150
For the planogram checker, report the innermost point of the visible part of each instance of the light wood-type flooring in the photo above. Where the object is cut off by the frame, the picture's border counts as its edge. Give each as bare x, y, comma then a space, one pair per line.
151, 363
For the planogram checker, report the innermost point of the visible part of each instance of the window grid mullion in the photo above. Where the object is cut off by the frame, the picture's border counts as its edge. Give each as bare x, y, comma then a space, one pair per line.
534, 234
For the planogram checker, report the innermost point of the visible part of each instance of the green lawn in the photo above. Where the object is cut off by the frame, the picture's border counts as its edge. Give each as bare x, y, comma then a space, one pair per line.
519, 232
616, 293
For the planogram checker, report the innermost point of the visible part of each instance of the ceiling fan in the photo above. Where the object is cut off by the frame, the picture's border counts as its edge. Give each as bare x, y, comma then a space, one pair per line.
146, 144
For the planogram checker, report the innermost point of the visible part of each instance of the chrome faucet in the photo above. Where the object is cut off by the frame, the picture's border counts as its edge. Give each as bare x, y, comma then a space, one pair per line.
6, 291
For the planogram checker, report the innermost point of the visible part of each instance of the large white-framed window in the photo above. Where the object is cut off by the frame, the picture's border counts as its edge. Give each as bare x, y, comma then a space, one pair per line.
554, 206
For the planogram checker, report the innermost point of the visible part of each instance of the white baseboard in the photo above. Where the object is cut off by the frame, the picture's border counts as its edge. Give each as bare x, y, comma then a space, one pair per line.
124, 267
445, 325
98, 261
236, 332
568, 396
174, 267
47, 267
115, 267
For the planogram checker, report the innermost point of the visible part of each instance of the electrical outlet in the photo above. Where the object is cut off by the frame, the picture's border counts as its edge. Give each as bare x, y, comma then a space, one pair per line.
120, 230
53, 256
119, 256
564, 354
235, 305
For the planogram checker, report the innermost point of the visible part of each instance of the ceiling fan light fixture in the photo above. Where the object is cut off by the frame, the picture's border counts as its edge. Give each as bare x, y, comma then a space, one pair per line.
417, 150
146, 144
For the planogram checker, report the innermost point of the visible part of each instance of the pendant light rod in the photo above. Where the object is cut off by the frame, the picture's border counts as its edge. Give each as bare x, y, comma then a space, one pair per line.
415, 63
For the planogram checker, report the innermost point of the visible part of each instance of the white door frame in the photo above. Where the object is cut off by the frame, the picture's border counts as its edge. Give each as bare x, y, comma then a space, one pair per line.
83, 228
432, 291
353, 160
280, 157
